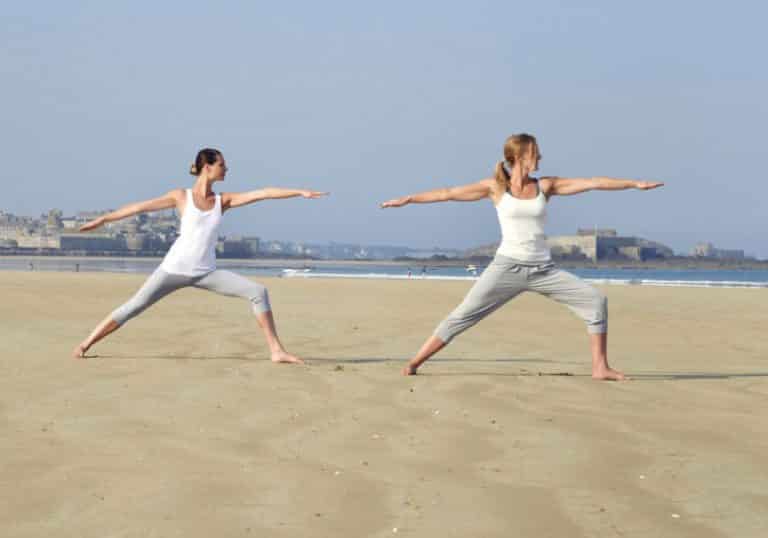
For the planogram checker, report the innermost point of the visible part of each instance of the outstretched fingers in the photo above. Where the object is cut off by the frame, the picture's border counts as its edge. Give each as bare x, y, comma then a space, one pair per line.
395, 202
92, 225
314, 194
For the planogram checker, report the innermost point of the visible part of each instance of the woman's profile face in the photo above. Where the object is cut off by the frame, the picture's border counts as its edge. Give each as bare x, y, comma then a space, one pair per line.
530, 162
218, 169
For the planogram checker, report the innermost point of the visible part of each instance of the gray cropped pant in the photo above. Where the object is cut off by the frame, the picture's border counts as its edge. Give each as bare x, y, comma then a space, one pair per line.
160, 284
505, 278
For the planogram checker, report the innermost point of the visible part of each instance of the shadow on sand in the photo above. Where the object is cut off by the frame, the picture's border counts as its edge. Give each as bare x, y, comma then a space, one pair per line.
645, 376
686, 376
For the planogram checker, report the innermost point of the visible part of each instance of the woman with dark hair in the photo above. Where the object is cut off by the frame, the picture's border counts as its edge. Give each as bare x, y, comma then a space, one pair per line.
191, 260
523, 261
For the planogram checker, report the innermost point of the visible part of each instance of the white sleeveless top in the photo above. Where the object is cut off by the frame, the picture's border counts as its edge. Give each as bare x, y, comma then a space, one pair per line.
194, 251
522, 228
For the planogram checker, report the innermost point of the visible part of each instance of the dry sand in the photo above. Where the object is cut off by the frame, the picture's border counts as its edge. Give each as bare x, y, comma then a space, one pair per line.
181, 427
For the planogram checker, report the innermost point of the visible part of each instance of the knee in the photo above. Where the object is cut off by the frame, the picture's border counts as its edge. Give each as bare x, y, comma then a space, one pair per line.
259, 299
447, 331
456, 323
601, 304
598, 322
125, 312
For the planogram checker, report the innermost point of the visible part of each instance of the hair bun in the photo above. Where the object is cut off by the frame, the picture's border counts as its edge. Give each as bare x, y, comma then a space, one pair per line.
193, 170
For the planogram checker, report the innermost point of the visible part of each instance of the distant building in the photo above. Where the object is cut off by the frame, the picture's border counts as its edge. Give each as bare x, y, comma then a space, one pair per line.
54, 223
238, 247
253, 242
600, 232
594, 244
71, 223
708, 250
92, 242
136, 241
573, 246
433, 253
38, 241
603, 244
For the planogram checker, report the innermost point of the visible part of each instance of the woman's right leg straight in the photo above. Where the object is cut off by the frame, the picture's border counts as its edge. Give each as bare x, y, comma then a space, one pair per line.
500, 282
157, 286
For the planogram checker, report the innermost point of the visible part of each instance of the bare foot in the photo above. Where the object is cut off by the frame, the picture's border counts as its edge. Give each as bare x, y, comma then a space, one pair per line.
608, 374
284, 356
409, 370
79, 352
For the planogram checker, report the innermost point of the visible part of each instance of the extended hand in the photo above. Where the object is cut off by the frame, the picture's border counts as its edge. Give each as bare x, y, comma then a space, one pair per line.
92, 225
397, 202
314, 194
647, 185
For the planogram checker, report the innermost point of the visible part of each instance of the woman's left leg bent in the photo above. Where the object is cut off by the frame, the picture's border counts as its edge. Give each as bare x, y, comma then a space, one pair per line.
583, 299
234, 285
589, 304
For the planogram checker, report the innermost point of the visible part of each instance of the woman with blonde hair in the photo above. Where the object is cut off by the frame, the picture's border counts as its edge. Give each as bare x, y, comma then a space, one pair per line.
191, 260
523, 261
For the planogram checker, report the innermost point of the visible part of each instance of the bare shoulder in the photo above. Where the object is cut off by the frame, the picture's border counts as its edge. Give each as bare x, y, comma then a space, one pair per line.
179, 197
177, 194
547, 184
226, 198
495, 192
490, 185
488, 182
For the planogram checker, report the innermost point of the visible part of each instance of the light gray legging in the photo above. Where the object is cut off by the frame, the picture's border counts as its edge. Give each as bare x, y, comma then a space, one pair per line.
505, 278
160, 284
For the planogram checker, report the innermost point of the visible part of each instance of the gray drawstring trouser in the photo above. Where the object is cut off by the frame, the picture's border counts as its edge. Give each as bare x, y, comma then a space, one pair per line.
506, 278
160, 284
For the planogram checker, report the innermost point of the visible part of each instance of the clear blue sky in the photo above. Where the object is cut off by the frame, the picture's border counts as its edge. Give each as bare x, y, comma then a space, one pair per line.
105, 103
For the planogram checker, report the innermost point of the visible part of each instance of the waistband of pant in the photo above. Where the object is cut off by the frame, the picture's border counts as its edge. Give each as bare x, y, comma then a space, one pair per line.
500, 258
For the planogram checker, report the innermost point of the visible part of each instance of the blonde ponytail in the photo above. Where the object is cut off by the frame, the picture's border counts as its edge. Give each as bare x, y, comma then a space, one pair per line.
501, 175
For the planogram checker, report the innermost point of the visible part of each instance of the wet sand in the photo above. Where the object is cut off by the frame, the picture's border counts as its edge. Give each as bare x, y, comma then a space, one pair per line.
179, 425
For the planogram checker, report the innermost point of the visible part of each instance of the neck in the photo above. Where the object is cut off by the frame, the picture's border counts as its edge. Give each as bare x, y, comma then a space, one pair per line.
517, 177
202, 186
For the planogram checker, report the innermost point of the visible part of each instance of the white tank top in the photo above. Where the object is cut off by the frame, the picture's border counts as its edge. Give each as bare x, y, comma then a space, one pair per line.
522, 228
194, 251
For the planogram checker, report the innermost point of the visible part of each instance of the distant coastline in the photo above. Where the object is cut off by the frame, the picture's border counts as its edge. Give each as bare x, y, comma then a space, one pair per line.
297, 261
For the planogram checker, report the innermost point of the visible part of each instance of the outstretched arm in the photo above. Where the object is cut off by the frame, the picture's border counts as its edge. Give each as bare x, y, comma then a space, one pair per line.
167, 201
465, 193
237, 199
574, 185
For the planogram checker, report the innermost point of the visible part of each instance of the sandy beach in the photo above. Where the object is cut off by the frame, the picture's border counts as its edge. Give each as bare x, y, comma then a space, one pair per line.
179, 426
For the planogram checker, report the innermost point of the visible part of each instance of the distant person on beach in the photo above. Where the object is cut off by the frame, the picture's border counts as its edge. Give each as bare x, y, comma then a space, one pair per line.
523, 261
191, 260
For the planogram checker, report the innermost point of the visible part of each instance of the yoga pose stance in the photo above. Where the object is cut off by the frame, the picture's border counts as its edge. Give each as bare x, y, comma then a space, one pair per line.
191, 260
523, 261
